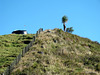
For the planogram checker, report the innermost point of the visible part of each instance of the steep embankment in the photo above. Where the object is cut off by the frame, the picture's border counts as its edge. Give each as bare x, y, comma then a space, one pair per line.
10, 46
58, 52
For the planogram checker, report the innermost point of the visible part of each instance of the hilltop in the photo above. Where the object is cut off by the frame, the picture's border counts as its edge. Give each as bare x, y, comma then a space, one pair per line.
56, 52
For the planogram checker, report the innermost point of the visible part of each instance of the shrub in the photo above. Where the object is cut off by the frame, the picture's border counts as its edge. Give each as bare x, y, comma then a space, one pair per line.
70, 30
60, 30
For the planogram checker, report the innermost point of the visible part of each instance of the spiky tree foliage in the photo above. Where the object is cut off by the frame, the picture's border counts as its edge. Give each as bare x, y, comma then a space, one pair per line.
67, 30
70, 30
64, 20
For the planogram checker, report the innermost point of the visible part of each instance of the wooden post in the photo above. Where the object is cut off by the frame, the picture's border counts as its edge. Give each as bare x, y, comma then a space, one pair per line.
9, 71
34, 38
37, 34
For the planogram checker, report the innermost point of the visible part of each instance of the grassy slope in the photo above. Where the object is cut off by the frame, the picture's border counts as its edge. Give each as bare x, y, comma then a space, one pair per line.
57, 52
10, 46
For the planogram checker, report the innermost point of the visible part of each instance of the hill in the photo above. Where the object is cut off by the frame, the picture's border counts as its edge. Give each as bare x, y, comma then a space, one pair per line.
53, 53
59, 53
10, 46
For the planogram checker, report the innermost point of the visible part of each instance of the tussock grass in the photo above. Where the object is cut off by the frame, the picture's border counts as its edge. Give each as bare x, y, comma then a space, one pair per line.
56, 52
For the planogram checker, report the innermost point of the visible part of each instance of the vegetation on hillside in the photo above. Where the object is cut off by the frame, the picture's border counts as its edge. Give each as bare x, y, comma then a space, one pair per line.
56, 52
10, 46
70, 30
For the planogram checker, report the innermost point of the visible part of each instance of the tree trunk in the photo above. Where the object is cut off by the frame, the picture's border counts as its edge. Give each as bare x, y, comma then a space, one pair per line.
64, 26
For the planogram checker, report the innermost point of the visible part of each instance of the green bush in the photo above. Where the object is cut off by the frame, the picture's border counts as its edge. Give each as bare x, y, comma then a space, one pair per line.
60, 31
70, 30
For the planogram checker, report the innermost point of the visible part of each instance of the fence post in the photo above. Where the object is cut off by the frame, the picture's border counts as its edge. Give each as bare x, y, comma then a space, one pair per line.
16, 60
19, 57
37, 34
31, 43
25, 49
23, 52
34, 38
38, 31
9, 70
28, 47
41, 29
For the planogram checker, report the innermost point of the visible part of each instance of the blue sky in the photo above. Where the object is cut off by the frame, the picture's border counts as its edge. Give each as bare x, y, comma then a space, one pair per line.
30, 15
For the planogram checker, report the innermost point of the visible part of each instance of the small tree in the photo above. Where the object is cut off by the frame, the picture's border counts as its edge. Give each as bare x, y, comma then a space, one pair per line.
67, 30
64, 20
70, 30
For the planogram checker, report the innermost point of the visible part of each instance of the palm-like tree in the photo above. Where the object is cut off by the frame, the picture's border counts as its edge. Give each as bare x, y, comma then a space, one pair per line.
64, 20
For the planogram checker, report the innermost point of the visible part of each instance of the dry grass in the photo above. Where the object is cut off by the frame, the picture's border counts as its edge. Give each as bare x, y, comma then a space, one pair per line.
60, 53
